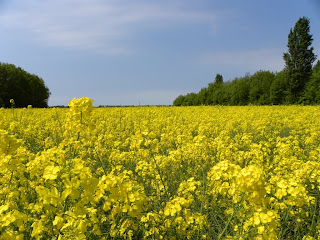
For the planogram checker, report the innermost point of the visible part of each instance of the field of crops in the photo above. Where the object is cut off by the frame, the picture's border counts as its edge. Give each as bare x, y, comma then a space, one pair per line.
160, 172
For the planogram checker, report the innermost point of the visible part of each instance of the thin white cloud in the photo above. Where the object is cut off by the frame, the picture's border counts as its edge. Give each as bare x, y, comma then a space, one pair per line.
95, 25
259, 59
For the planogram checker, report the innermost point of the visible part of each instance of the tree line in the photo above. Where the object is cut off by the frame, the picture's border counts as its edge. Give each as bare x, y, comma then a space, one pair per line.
24, 88
297, 83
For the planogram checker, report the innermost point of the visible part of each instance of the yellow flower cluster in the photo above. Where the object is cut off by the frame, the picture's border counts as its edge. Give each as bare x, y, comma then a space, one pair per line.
160, 172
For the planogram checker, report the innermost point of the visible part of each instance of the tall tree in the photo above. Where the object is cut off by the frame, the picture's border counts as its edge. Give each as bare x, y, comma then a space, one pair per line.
218, 94
299, 58
218, 79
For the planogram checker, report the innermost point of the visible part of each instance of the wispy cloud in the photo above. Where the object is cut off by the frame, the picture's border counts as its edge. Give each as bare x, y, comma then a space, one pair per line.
258, 59
96, 25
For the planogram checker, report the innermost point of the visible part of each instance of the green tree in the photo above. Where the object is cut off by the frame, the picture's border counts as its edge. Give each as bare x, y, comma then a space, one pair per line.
218, 97
218, 79
25, 88
179, 101
299, 58
260, 83
214, 91
218, 93
191, 99
202, 96
278, 89
311, 93
211, 88
316, 67
239, 91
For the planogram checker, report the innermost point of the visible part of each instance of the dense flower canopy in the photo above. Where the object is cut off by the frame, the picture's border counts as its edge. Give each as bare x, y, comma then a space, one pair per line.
160, 172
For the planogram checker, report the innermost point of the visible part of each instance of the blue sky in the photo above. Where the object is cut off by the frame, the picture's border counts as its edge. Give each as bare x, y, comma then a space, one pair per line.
130, 52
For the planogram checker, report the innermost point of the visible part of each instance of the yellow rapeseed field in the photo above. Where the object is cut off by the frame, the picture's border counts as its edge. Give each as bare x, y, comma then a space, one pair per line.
160, 172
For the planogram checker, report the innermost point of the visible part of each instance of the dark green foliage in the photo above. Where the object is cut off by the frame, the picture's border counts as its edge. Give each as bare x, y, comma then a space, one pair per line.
217, 94
311, 94
260, 84
191, 99
278, 89
218, 79
298, 59
241, 91
203, 95
25, 88
179, 101
211, 89
316, 67
297, 83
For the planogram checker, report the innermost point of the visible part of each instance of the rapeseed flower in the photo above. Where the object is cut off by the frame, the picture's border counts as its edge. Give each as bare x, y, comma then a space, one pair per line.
160, 173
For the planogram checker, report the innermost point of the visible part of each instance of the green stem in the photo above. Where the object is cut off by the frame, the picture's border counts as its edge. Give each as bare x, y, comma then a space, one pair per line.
103, 167
5, 196
230, 218
159, 172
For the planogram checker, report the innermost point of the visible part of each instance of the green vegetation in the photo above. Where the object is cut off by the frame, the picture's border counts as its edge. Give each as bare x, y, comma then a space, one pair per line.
25, 88
297, 83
